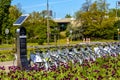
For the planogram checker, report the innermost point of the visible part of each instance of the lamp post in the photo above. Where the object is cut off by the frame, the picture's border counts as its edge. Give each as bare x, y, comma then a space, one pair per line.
118, 33
55, 39
116, 9
48, 27
71, 35
117, 5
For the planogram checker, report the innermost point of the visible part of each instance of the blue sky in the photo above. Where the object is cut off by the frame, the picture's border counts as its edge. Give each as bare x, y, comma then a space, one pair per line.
59, 7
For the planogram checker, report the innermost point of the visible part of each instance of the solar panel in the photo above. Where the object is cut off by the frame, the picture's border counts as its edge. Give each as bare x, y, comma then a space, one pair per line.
20, 20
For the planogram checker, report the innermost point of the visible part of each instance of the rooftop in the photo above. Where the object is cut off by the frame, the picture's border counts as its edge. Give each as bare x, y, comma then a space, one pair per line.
64, 20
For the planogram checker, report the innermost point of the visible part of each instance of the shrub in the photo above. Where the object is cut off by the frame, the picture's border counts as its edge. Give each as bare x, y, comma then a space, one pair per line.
40, 41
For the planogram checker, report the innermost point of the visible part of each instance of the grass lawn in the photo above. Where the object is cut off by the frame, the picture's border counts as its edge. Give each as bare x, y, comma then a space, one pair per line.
59, 42
6, 45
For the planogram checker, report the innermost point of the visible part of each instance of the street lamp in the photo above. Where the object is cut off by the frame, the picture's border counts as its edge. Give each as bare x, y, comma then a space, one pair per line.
48, 27
55, 38
117, 5
116, 8
71, 34
118, 33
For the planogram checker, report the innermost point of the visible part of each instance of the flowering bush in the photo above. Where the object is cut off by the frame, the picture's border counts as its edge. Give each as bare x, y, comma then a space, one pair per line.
101, 69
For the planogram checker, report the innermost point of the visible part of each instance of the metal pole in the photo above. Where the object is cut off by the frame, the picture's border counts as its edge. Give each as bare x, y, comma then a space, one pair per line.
55, 39
7, 38
105, 6
116, 9
118, 34
48, 28
117, 18
71, 36
59, 35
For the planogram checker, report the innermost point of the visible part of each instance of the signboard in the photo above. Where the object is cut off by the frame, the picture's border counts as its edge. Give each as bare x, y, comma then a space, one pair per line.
6, 31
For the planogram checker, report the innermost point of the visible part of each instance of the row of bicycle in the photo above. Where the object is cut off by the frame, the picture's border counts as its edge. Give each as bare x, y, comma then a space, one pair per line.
77, 53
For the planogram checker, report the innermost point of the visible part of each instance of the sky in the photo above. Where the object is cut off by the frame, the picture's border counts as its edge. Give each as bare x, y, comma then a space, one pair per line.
59, 7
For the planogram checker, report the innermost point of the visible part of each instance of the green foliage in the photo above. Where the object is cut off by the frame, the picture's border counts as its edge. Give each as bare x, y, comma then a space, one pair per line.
68, 16
95, 19
77, 32
96, 23
4, 16
36, 26
6, 55
40, 41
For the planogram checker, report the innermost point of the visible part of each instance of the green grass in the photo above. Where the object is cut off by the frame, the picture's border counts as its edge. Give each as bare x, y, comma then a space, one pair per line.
59, 42
63, 42
103, 40
7, 45
6, 55
32, 44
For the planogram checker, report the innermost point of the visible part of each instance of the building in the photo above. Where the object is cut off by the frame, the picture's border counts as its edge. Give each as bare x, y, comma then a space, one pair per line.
63, 22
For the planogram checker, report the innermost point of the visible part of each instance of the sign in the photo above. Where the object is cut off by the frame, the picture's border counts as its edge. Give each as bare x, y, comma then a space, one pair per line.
6, 31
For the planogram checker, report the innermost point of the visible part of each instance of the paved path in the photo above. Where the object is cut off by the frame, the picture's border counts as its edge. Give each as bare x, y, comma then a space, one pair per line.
7, 64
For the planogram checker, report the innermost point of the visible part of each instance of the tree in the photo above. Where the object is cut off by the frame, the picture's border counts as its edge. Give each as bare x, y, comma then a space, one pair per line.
86, 5
112, 12
34, 21
96, 23
68, 16
4, 15
36, 26
14, 13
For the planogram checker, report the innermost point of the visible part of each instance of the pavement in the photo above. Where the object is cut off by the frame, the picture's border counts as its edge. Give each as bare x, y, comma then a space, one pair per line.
7, 64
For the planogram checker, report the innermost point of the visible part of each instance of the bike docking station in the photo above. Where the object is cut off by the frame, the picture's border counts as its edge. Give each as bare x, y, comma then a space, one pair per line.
21, 44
